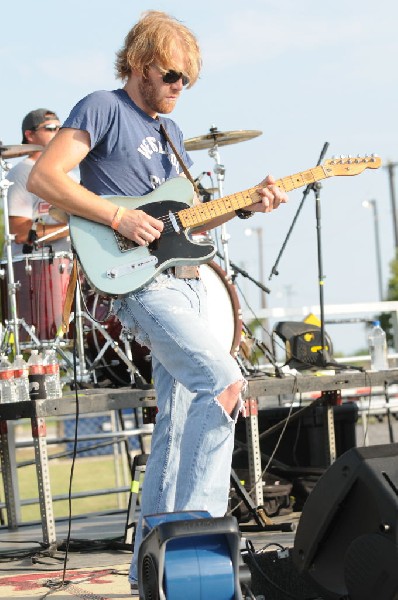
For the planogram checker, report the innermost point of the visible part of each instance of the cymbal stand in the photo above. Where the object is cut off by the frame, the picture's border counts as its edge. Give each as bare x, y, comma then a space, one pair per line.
84, 368
219, 170
13, 323
125, 356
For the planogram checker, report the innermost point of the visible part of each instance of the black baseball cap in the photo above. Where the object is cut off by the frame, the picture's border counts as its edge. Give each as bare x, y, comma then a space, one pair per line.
35, 118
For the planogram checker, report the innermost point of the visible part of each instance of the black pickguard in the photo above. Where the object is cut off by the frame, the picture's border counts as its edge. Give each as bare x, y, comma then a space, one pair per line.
172, 246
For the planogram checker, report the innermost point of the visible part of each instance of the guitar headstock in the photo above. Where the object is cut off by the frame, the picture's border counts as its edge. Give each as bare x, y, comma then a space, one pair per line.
350, 165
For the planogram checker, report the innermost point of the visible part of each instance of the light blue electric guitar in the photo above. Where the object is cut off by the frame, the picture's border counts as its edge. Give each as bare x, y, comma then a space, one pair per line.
115, 266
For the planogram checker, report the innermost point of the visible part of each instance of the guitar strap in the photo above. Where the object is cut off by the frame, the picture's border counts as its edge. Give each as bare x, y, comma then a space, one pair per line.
174, 149
182, 271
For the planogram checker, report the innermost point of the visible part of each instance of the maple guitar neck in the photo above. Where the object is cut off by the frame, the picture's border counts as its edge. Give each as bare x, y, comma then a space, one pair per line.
205, 212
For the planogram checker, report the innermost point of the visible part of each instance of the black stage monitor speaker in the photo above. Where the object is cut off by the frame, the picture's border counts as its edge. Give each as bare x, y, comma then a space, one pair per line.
347, 537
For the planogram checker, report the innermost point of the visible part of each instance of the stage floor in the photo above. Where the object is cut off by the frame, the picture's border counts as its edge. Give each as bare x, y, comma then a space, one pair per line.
96, 569
98, 564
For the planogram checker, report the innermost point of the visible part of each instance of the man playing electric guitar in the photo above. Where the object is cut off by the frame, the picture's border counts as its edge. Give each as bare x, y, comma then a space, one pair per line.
115, 137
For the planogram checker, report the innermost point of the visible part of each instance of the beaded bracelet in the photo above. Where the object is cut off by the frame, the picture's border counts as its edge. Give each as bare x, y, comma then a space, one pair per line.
117, 217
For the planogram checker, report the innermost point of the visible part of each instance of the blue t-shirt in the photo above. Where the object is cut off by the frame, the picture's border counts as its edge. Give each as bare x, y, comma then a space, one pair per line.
129, 156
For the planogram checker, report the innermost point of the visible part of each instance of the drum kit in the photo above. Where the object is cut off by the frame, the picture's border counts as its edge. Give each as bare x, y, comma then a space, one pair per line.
212, 141
34, 286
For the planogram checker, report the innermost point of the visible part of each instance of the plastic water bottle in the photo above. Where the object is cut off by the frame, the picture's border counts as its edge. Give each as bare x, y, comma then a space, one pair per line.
7, 383
377, 348
37, 389
21, 378
52, 380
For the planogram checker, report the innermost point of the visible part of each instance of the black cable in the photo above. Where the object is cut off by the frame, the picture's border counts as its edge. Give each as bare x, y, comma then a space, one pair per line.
247, 591
74, 545
56, 584
252, 554
68, 538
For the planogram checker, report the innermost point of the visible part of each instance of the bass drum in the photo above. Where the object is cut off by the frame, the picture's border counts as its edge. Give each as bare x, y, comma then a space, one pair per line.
224, 313
224, 321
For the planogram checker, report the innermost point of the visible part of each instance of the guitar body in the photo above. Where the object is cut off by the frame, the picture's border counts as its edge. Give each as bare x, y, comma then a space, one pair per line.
115, 266
113, 271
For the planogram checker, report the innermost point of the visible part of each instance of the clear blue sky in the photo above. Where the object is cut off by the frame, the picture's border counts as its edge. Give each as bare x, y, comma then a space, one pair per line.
301, 72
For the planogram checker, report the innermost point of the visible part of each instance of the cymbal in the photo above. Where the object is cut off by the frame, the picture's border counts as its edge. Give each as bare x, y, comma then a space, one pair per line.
58, 214
16, 150
211, 190
220, 138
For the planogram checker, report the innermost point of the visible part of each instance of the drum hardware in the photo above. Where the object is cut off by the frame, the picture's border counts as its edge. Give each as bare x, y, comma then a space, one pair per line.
212, 141
84, 321
103, 333
18, 150
14, 323
56, 274
58, 214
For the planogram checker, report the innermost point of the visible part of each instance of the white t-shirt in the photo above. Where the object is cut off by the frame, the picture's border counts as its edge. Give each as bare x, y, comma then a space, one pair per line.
22, 203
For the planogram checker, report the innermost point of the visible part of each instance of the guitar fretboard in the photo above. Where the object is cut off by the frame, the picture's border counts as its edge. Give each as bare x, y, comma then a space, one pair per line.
205, 212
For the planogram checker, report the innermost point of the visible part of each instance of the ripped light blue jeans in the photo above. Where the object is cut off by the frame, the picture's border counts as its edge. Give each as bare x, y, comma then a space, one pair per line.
192, 443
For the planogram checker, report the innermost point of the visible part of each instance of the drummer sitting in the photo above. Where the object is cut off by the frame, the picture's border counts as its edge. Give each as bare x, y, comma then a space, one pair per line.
29, 216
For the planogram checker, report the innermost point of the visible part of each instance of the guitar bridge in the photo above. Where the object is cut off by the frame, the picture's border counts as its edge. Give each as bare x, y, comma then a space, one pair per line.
124, 244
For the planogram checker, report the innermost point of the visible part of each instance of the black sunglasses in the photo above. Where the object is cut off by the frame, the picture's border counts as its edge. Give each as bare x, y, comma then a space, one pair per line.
172, 76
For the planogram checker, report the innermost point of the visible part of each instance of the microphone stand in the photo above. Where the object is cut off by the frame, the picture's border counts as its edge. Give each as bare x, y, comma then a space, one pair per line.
274, 270
315, 187
324, 356
237, 269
